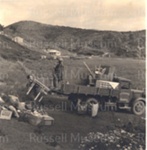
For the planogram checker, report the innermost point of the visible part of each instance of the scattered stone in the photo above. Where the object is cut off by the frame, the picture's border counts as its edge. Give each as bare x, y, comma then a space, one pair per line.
118, 139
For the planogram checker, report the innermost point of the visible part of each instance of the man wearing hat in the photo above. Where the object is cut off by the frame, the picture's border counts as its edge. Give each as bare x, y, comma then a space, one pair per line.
58, 73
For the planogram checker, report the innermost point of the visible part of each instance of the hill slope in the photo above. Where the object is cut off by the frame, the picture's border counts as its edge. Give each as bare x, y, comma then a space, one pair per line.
10, 50
12, 76
39, 36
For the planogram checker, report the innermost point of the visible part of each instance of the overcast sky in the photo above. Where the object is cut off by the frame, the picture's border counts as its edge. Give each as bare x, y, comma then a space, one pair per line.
117, 15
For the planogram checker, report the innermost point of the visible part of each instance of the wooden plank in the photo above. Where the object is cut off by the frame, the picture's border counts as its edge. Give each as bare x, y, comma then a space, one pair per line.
30, 88
79, 89
87, 90
69, 88
103, 92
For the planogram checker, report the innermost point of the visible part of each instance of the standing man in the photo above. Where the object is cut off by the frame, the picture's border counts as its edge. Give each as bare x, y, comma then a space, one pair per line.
58, 73
99, 72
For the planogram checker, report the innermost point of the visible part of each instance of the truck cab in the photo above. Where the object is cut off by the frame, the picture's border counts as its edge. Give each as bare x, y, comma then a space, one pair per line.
130, 98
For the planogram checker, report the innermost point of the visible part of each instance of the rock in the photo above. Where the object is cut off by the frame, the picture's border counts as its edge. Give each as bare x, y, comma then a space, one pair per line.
118, 139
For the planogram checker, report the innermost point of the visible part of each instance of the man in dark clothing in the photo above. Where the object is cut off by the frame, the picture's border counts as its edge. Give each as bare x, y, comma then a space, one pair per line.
58, 73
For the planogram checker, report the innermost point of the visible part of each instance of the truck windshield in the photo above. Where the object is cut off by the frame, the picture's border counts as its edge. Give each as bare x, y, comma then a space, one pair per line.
125, 85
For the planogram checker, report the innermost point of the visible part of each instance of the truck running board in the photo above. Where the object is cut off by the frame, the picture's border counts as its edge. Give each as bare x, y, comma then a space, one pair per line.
125, 107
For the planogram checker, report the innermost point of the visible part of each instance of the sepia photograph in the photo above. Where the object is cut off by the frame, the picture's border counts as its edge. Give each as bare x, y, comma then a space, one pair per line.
72, 75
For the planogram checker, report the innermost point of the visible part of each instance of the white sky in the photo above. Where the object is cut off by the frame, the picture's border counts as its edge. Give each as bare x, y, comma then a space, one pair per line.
118, 15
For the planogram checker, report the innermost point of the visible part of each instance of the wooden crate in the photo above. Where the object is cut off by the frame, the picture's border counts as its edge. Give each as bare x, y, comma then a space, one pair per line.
47, 120
5, 114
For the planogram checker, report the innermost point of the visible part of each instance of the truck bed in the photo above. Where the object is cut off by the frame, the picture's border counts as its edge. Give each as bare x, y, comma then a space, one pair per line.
68, 89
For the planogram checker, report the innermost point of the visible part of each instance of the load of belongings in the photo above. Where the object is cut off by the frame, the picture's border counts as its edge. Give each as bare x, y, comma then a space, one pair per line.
11, 106
35, 118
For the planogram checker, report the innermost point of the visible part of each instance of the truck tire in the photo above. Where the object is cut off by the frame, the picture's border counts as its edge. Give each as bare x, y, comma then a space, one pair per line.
76, 101
73, 101
138, 107
81, 106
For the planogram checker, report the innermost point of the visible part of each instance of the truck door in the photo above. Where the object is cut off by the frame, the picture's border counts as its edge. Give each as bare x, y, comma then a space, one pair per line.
125, 92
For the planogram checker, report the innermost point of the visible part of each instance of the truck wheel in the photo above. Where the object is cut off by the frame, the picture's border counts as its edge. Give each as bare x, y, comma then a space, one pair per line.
138, 107
81, 106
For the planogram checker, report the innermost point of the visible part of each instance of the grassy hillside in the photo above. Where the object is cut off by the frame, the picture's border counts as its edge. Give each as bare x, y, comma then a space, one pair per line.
39, 36
10, 50
11, 73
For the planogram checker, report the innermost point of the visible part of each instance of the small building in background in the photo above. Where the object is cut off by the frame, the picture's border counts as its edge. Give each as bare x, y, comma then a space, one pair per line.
18, 39
53, 53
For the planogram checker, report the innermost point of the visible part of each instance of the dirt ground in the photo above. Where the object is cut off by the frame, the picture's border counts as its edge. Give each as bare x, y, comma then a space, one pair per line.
68, 129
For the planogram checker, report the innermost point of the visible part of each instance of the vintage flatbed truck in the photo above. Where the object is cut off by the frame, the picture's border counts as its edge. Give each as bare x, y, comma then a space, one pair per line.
116, 94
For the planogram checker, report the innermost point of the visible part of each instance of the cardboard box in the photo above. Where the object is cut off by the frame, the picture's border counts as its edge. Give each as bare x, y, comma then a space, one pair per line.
47, 120
5, 114
33, 119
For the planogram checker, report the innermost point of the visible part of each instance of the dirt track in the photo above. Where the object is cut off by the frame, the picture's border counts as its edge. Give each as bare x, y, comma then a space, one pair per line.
68, 130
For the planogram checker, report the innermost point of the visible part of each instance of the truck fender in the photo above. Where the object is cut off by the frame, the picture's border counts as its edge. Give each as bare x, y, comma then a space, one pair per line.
140, 99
